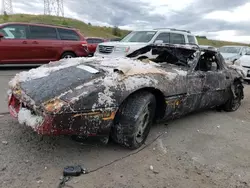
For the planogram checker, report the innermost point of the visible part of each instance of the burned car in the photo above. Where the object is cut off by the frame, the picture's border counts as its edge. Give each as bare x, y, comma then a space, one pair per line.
122, 97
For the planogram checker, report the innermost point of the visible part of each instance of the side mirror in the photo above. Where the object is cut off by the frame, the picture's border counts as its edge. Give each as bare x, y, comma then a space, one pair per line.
159, 42
1, 35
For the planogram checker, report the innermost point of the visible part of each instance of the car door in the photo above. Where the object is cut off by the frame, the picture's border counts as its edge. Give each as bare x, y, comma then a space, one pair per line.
195, 92
15, 47
46, 45
217, 80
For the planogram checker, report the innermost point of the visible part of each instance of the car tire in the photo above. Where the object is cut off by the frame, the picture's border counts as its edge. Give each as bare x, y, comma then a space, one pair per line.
234, 103
134, 120
68, 55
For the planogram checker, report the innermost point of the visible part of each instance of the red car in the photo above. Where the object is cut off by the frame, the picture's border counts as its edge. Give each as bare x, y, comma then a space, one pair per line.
28, 43
92, 44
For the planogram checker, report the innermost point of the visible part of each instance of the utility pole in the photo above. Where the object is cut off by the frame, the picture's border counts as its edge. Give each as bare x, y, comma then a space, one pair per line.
7, 7
54, 7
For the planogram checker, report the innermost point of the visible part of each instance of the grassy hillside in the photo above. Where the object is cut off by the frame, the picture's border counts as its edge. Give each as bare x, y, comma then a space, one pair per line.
89, 30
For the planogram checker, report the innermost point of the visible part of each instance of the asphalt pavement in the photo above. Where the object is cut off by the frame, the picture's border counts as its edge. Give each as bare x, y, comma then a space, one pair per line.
206, 149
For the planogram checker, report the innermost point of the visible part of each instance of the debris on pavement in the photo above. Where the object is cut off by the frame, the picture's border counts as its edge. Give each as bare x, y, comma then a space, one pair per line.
71, 171
39, 181
4, 142
151, 167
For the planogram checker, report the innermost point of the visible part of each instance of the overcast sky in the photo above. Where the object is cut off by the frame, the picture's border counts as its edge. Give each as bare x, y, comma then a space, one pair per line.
217, 19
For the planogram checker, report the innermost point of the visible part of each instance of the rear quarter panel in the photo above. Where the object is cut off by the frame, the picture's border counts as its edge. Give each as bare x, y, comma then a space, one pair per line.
75, 47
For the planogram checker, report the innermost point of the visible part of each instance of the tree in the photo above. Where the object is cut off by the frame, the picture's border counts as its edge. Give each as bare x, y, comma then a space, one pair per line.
5, 16
203, 37
89, 24
116, 31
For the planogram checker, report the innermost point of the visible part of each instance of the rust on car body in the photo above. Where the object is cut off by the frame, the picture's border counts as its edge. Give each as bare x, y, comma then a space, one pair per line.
81, 96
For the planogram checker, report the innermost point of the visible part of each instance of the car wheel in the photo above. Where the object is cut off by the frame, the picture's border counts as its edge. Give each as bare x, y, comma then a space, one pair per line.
68, 55
134, 119
234, 102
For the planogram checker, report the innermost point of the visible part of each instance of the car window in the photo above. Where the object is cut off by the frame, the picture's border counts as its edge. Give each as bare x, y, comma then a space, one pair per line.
139, 36
230, 49
90, 41
208, 62
165, 37
177, 38
244, 51
94, 41
66, 34
191, 39
248, 51
98, 41
42, 32
14, 32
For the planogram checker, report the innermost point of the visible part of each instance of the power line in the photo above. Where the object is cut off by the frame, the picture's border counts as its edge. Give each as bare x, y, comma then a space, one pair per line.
54, 7
7, 7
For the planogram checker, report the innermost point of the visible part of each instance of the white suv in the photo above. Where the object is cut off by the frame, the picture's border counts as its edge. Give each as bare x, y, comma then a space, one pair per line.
141, 38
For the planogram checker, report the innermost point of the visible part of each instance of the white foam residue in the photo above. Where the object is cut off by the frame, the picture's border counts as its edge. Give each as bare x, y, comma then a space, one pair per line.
45, 70
77, 97
181, 72
26, 117
127, 62
171, 75
132, 83
105, 97
239, 69
88, 68
65, 93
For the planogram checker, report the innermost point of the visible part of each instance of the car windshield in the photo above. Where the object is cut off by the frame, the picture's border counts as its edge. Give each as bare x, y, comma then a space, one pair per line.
139, 36
233, 50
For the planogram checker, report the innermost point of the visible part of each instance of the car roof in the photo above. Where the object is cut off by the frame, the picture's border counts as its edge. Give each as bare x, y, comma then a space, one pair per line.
173, 30
234, 46
39, 24
94, 38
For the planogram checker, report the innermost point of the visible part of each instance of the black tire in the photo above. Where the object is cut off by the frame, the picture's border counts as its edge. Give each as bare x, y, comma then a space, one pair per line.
134, 120
67, 55
235, 102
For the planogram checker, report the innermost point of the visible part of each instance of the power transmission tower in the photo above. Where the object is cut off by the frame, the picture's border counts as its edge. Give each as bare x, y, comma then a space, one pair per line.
54, 7
7, 7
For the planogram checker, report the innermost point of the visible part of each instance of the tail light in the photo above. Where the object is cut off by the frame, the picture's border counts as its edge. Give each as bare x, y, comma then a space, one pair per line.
85, 45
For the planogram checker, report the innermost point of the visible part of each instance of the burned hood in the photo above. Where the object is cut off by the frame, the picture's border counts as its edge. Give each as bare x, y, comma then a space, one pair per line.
46, 82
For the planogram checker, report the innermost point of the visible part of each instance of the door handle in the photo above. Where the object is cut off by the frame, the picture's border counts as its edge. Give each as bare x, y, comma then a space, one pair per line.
24, 42
34, 42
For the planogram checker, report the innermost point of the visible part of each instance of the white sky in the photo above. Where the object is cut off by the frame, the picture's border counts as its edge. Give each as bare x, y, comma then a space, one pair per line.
166, 8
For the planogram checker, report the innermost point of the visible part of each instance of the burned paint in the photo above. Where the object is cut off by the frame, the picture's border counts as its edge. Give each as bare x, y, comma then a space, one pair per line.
86, 103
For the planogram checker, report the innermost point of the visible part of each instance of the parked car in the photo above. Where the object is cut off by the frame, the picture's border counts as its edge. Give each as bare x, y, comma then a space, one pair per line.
244, 63
232, 53
208, 47
29, 43
115, 39
122, 97
92, 44
140, 38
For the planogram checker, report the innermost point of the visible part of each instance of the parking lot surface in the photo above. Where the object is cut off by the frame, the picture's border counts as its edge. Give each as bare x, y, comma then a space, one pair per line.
206, 149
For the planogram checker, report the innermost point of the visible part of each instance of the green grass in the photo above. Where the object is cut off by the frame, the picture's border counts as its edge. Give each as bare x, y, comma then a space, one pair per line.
89, 30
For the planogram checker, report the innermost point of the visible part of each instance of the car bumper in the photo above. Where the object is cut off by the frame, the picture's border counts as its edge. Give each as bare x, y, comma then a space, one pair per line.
89, 123
97, 54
